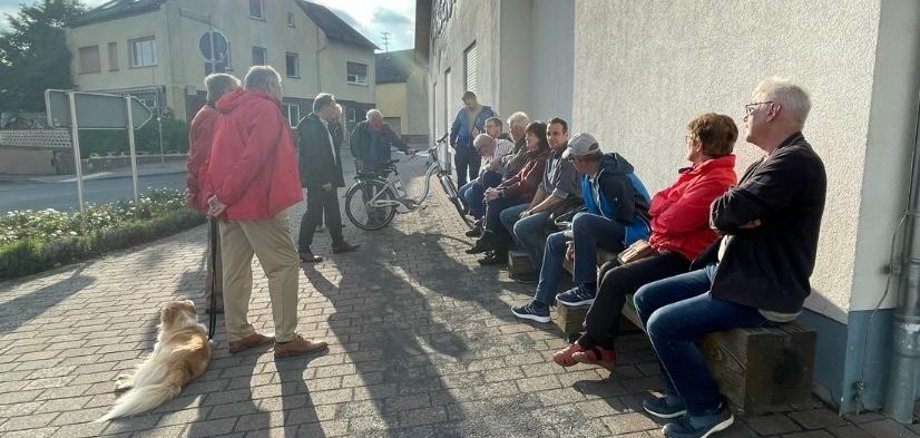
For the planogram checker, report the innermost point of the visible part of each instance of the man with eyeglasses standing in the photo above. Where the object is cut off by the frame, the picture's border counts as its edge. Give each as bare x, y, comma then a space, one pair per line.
756, 275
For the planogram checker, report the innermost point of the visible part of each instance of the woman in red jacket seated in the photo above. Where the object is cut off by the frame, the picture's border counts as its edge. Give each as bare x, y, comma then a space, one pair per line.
680, 232
515, 190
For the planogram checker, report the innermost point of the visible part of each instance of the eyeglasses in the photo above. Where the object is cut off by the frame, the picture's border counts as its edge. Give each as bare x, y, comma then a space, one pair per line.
749, 108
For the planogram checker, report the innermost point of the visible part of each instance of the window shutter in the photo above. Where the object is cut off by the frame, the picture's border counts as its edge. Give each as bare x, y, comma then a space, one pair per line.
471, 69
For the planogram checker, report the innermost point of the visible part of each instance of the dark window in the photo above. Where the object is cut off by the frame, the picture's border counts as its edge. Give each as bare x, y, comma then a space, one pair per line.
113, 56
292, 65
255, 9
357, 73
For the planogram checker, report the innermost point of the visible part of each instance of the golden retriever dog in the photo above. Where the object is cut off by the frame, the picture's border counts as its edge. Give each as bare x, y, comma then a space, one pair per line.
181, 354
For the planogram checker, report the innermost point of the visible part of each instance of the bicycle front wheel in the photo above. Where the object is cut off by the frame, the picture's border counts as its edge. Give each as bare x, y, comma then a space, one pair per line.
359, 210
451, 191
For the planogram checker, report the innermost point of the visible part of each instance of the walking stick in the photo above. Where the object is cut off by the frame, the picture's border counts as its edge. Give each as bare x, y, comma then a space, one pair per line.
213, 237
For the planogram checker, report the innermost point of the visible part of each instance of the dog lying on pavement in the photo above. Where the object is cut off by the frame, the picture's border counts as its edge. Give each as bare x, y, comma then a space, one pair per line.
181, 354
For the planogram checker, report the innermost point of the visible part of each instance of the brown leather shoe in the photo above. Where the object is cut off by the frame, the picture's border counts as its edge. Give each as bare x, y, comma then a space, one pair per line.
248, 342
298, 346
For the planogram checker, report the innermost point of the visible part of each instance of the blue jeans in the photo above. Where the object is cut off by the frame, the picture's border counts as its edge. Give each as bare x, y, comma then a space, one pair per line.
467, 161
527, 232
589, 231
678, 311
473, 192
510, 215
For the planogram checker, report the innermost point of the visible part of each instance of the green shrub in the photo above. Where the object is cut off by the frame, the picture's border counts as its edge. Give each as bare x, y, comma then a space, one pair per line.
34, 241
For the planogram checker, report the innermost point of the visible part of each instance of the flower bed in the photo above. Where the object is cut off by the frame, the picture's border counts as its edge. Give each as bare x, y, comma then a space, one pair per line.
34, 241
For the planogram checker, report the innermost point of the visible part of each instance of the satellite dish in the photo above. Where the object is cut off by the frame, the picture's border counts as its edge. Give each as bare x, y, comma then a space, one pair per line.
220, 46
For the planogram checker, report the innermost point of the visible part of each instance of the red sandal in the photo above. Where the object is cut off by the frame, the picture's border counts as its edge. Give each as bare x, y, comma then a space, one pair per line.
564, 357
596, 355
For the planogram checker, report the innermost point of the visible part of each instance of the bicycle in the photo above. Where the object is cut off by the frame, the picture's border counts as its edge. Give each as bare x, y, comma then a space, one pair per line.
375, 198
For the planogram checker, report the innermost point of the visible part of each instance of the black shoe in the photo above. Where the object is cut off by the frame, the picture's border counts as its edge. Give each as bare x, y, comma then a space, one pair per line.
480, 247
343, 247
475, 232
527, 278
492, 258
702, 426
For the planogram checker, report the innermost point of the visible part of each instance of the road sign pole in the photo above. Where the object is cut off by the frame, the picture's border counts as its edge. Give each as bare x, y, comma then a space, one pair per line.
131, 147
75, 135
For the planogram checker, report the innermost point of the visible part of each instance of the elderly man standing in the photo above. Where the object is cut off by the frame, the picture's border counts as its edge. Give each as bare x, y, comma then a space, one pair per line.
371, 141
200, 135
252, 178
469, 123
321, 173
770, 224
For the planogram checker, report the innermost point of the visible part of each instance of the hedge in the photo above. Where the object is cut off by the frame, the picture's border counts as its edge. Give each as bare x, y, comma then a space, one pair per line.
146, 139
36, 241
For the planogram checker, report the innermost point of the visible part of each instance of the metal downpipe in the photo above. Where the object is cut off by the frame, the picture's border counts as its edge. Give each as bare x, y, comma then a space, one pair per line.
905, 354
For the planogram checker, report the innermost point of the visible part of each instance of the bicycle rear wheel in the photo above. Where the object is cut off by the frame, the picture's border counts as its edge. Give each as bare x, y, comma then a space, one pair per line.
451, 191
364, 216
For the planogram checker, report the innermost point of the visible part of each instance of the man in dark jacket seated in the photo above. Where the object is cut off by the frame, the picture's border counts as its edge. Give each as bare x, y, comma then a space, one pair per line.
770, 224
617, 215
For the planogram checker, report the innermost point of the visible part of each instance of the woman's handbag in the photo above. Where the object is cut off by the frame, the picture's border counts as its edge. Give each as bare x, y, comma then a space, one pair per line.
640, 249
564, 211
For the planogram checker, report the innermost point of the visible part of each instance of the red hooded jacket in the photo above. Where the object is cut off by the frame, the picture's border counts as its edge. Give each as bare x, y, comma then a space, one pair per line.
252, 167
680, 213
200, 134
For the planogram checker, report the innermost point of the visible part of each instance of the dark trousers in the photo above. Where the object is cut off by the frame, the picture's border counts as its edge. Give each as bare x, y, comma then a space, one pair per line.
320, 202
213, 284
677, 312
467, 163
615, 281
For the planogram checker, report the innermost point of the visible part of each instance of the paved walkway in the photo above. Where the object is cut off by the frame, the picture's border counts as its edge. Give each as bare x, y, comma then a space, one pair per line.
422, 345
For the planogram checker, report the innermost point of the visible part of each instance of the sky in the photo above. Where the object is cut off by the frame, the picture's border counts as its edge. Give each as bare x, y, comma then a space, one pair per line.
370, 17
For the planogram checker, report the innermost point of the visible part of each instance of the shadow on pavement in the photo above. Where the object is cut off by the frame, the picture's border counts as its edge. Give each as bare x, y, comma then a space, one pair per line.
24, 308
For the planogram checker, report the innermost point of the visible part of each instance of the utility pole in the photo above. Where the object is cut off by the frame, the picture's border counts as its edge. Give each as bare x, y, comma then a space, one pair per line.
386, 41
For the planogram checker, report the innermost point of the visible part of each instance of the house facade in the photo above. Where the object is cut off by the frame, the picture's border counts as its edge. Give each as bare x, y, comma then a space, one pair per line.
402, 94
634, 73
160, 51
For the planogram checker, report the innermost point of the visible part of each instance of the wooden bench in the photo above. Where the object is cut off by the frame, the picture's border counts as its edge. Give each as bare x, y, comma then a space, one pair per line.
759, 370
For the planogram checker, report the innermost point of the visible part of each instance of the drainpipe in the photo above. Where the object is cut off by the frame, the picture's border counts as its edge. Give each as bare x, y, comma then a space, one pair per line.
905, 355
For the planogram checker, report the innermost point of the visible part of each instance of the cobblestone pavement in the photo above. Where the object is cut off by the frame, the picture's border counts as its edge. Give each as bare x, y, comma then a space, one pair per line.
422, 344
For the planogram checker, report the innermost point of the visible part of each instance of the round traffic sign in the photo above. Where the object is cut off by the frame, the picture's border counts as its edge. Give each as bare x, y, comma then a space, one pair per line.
220, 46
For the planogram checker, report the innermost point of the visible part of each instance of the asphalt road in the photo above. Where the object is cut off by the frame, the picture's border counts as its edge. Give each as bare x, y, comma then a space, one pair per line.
63, 196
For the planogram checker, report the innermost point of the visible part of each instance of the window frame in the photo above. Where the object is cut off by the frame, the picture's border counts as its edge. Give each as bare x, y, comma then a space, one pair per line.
357, 78
133, 53
287, 56
287, 110
264, 55
83, 58
112, 49
261, 15
291, 20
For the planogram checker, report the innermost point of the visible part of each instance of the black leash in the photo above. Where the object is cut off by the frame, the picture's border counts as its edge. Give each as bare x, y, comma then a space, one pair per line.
213, 236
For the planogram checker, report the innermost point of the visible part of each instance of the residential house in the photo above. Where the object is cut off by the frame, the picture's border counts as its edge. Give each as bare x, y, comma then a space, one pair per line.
402, 94
160, 51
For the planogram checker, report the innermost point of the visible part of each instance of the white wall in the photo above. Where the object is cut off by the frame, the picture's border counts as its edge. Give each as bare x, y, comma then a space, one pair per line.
552, 61
646, 68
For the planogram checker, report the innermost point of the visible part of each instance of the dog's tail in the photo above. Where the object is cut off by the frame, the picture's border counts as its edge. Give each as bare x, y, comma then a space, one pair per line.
144, 398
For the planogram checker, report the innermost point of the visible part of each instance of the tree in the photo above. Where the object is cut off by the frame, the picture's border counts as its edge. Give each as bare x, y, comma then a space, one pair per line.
34, 55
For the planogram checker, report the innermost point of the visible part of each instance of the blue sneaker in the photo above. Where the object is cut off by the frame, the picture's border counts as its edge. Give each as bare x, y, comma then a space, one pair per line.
581, 295
702, 426
534, 311
664, 407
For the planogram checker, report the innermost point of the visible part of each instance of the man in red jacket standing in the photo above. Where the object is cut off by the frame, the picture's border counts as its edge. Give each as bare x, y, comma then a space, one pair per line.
200, 134
253, 179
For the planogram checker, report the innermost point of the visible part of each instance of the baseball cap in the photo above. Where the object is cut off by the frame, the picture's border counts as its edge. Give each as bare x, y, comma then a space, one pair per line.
581, 144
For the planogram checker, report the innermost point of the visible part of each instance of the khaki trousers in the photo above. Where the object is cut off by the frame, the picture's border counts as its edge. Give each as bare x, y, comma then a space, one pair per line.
270, 241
